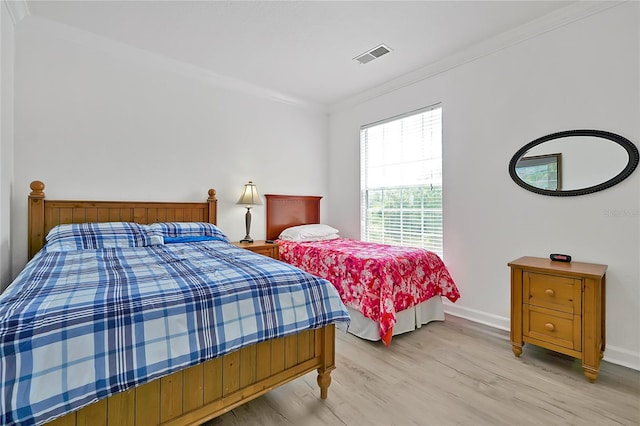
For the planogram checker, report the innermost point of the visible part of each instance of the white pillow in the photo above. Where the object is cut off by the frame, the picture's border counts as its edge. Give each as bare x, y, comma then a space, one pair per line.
324, 238
308, 232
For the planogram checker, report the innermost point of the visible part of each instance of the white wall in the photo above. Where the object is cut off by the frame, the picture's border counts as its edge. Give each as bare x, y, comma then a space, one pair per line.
100, 120
582, 75
6, 140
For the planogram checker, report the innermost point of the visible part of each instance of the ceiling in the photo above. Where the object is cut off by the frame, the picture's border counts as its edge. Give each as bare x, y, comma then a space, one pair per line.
300, 49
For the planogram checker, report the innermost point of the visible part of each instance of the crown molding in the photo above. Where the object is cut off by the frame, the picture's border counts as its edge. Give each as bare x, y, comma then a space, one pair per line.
554, 20
18, 9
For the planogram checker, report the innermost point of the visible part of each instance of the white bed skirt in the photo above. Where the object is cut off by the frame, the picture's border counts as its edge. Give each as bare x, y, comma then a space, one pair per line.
407, 320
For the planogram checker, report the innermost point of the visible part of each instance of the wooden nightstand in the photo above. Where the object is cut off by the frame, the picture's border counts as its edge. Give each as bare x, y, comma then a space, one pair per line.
259, 246
559, 306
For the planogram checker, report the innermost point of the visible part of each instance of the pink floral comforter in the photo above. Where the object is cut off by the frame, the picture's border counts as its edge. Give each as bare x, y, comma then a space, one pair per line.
376, 279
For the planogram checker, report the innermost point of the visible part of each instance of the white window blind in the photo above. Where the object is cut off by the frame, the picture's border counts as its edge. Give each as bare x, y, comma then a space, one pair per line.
401, 180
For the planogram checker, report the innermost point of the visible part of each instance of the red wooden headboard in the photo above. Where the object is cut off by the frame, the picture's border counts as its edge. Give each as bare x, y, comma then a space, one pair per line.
284, 211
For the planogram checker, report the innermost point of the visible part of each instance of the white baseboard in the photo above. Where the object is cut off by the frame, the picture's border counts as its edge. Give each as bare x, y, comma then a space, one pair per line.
620, 356
480, 317
612, 354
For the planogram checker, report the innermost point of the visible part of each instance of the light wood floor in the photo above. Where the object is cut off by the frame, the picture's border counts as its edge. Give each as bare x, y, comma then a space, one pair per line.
454, 372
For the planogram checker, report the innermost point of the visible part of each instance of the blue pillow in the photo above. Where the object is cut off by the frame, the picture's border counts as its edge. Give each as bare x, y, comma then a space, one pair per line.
188, 229
82, 236
191, 239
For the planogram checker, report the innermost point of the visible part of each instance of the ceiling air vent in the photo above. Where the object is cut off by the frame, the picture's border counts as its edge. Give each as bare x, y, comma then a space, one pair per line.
372, 54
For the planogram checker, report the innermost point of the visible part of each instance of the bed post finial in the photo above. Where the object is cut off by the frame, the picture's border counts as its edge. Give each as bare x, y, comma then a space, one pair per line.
36, 217
213, 206
37, 189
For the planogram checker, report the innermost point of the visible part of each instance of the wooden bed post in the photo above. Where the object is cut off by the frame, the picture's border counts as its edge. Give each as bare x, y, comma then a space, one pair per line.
36, 217
213, 206
328, 361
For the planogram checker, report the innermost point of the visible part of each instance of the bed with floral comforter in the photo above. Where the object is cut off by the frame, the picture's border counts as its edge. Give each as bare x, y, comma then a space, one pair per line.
377, 280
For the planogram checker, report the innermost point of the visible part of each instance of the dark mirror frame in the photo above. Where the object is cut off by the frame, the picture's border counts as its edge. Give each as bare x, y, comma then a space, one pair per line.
631, 149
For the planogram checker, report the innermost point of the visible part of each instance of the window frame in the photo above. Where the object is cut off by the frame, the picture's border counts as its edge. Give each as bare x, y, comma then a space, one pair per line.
426, 230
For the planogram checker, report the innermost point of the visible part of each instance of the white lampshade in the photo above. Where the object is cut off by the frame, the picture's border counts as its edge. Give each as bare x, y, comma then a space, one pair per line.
250, 195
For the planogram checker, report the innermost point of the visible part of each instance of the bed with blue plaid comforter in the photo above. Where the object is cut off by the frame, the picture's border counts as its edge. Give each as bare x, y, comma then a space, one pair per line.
78, 326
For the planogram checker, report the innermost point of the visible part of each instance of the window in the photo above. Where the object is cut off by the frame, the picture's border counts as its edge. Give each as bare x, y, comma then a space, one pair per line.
401, 180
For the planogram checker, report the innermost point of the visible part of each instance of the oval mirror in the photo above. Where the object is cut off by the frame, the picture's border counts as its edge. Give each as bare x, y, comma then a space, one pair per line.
573, 162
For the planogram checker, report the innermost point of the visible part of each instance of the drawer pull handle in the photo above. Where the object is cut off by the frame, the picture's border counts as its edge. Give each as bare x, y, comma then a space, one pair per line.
549, 326
549, 292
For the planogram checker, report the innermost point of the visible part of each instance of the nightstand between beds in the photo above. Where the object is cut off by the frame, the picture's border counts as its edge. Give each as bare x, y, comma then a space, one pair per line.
261, 247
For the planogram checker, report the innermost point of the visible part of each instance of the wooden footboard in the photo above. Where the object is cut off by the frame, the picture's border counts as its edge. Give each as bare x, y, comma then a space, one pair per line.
202, 392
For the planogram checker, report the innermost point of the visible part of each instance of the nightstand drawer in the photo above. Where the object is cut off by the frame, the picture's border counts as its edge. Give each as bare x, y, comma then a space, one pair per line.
553, 292
554, 327
267, 251
261, 247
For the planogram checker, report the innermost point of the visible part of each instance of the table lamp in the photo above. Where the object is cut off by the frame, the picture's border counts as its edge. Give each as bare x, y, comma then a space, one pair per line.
249, 198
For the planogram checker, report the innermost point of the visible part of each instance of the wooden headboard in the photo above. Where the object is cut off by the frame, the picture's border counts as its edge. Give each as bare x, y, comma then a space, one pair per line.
45, 214
284, 211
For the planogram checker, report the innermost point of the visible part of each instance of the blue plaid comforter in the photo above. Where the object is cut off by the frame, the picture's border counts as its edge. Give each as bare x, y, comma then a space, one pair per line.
78, 326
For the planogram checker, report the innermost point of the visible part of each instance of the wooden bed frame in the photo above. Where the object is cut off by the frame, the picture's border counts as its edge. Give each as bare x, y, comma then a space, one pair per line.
199, 393
284, 211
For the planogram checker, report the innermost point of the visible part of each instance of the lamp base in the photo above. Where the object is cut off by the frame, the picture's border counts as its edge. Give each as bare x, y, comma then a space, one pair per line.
247, 223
